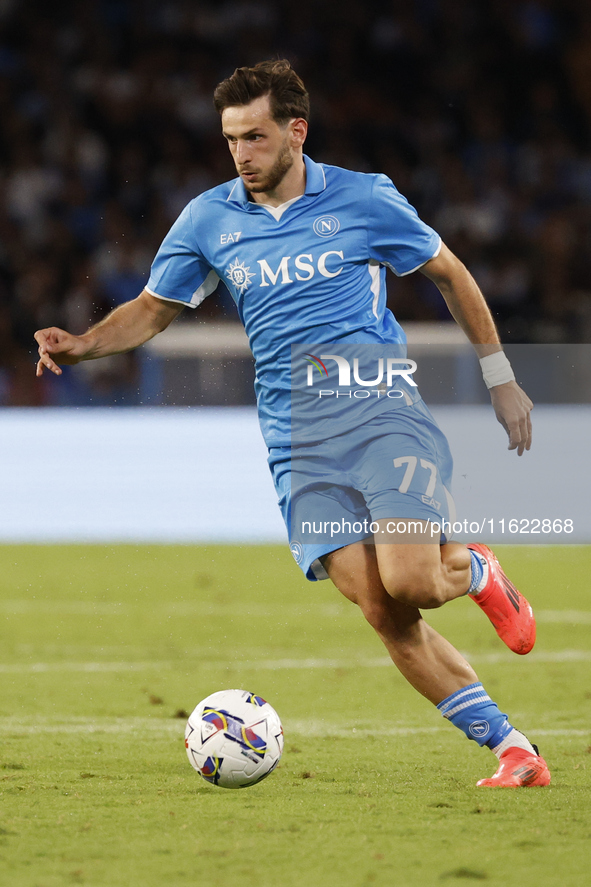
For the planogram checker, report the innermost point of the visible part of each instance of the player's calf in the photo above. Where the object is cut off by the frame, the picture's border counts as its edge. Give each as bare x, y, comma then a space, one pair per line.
424, 575
422, 590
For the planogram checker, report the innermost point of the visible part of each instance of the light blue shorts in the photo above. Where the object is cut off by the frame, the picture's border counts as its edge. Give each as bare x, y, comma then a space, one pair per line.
397, 465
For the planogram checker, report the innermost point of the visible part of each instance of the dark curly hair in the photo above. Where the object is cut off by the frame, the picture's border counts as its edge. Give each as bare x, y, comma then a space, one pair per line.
288, 97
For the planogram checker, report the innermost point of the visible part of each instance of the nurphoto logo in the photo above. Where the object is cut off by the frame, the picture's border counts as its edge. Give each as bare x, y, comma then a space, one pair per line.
388, 370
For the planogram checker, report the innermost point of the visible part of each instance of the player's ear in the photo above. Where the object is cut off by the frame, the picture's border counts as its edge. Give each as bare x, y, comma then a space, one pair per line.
299, 131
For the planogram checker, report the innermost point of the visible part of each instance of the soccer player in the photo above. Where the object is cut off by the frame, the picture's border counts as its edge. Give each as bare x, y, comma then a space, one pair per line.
302, 248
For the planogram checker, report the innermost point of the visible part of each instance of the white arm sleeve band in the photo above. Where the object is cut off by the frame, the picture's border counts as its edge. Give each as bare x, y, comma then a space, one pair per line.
496, 369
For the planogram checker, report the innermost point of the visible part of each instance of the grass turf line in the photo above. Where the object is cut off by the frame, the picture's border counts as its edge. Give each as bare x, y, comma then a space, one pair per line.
357, 800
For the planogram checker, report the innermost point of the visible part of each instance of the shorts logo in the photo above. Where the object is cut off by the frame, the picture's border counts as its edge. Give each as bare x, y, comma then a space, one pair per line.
297, 550
239, 275
478, 729
326, 226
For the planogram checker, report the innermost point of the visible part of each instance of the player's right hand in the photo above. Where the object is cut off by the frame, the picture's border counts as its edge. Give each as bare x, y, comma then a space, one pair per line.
512, 407
57, 346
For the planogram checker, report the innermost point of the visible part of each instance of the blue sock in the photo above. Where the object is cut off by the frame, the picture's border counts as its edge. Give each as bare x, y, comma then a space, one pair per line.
477, 571
472, 710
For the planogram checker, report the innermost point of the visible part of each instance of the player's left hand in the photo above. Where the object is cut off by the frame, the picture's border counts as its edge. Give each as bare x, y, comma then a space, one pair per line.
512, 407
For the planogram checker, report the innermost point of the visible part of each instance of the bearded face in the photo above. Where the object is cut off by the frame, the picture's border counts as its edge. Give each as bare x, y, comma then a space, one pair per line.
265, 180
263, 150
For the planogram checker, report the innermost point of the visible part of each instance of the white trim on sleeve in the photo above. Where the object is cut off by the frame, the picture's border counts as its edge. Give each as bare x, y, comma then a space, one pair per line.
412, 270
167, 299
201, 293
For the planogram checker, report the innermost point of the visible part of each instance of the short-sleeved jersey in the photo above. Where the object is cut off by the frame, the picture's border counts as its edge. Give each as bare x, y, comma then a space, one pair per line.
316, 275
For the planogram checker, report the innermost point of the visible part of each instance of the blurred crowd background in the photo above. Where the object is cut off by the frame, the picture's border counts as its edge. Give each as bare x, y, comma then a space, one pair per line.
480, 112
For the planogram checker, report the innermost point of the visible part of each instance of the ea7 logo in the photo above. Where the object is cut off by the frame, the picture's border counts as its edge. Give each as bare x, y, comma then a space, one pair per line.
394, 366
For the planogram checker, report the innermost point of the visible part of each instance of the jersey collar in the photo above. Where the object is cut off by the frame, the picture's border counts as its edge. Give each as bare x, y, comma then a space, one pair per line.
315, 184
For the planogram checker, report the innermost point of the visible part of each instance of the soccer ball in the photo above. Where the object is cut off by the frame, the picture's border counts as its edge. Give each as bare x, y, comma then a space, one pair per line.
234, 738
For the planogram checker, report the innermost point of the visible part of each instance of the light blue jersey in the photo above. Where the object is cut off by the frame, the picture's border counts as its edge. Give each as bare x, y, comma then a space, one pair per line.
316, 275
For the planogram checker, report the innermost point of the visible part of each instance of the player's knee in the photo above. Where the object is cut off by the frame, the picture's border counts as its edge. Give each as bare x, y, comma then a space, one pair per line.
404, 628
378, 615
418, 588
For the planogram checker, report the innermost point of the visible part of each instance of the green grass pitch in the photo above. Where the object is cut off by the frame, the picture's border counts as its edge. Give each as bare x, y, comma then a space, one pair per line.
103, 648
